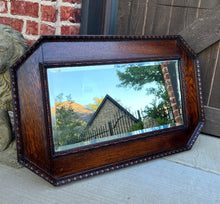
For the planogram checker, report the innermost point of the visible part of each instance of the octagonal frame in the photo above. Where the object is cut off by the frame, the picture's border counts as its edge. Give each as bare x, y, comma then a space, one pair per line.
32, 109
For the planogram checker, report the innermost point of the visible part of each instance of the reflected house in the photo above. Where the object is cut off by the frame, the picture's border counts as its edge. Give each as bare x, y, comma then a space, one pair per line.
110, 119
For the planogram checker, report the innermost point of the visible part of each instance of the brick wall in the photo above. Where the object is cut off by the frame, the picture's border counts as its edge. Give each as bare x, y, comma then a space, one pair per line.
47, 17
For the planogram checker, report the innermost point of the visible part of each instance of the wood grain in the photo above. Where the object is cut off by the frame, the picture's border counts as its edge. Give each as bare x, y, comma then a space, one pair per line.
158, 15
207, 60
103, 52
215, 93
198, 22
137, 20
206, 6
212, 126
183, 14
123, 19
203, 32
33, 120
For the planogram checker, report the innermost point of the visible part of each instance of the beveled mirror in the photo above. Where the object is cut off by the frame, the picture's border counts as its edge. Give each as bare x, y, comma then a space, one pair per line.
86, 105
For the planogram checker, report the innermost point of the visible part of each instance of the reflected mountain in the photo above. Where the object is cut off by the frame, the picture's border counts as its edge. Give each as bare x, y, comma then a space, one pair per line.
81, 111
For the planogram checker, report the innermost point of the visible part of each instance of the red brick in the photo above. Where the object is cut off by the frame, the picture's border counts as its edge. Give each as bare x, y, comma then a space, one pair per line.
167, 83
69, 30
14, 23
49, 13
171, 94
178, 119
3, 6
73, 1
30, 42
47, 29
176, 113
165, 70
170, 88
24, 8
71, 14
167, 76
173, 100
174, 107
32, 28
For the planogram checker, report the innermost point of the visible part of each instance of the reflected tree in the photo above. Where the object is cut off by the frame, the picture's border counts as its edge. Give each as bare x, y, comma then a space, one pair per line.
94, 106
97, 101
137, 77
68, 125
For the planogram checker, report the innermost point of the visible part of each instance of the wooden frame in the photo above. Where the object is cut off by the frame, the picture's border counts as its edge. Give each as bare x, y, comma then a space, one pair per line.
32, 110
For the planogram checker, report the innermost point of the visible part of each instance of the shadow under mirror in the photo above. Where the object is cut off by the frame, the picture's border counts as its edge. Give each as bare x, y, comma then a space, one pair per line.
92, 104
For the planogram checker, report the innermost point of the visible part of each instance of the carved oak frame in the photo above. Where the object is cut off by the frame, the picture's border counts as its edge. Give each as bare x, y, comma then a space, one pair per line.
33, 130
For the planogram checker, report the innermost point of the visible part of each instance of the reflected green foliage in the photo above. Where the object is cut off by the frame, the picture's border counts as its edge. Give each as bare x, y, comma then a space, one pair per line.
68, 125
159, 109
159, 112
136, 126
136, 77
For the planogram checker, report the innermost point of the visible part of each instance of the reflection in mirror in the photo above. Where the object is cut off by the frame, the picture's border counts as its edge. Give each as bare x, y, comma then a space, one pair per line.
92, 104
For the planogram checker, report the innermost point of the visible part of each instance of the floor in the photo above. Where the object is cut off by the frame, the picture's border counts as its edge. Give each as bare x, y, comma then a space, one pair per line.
188, 177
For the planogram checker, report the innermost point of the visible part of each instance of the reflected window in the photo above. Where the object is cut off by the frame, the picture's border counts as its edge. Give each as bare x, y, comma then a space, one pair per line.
98, 17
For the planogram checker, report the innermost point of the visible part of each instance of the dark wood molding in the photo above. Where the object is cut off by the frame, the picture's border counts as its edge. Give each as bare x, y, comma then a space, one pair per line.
204, 31
32, 111
212, 124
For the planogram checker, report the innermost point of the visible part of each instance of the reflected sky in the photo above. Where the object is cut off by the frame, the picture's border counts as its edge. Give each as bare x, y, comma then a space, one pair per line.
85, 83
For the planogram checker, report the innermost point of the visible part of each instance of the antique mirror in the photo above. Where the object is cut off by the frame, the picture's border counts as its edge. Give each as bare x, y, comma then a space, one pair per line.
85, 105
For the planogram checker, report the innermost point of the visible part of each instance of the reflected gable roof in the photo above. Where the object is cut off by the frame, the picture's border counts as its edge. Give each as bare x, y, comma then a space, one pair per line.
107, 97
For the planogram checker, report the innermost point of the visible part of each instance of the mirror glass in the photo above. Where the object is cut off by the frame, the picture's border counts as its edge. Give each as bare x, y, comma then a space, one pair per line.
92, 104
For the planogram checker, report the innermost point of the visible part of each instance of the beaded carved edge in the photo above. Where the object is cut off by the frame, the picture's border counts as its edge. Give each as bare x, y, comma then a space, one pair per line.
118, 165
